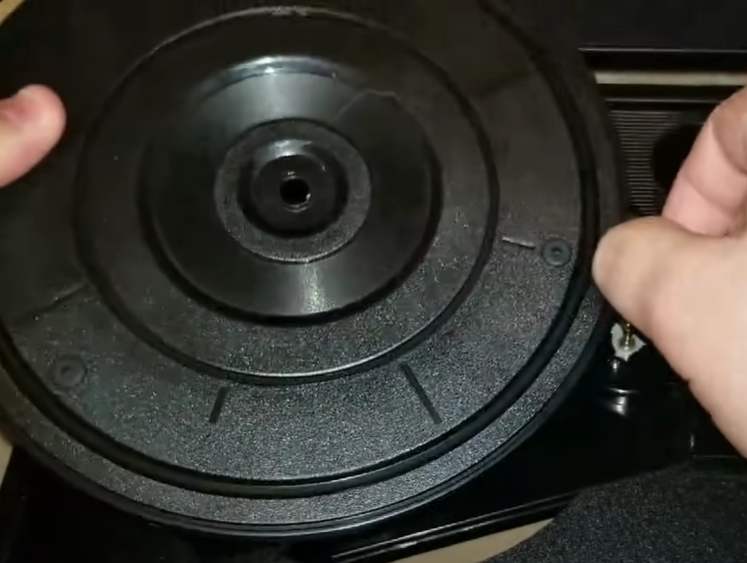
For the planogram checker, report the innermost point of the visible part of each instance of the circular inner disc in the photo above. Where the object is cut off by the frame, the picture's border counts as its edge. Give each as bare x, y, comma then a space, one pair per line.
301, 268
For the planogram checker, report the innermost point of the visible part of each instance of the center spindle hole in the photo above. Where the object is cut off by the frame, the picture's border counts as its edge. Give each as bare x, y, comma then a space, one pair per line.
295, 193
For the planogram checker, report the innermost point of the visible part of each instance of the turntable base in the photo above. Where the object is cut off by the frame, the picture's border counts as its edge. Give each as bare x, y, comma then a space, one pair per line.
467, 553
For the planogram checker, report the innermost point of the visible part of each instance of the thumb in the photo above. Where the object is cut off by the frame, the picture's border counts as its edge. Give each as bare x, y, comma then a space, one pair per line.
677, 287
31, 123
685, 292
638, 266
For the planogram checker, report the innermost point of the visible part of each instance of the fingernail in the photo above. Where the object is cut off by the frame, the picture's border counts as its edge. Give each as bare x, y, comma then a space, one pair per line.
23, 109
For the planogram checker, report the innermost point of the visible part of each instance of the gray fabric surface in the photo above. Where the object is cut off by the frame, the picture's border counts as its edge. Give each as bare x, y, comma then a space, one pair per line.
683, 515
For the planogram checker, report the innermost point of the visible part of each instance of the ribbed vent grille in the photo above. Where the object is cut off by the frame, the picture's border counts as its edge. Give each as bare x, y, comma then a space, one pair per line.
654, 144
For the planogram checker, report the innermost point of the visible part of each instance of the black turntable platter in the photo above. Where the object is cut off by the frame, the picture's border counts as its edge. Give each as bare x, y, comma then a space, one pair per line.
297, 268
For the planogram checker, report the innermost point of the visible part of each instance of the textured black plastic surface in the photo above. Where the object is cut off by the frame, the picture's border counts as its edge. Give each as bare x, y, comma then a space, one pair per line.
617, 422
615, 425
435, 349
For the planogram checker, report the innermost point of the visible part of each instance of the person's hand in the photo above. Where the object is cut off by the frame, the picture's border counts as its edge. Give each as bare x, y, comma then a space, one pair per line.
31, 123
682, 279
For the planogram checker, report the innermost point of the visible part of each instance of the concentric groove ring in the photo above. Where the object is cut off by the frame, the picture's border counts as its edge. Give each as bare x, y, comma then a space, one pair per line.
373, 136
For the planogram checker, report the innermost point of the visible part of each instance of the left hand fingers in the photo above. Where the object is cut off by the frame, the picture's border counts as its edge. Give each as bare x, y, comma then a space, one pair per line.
31, 124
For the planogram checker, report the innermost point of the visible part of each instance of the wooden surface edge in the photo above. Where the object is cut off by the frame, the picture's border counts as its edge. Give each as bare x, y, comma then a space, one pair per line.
7, 7
481, 549
5, 451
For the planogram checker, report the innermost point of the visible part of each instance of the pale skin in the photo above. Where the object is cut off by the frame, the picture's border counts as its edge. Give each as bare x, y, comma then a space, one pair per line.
681, 279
